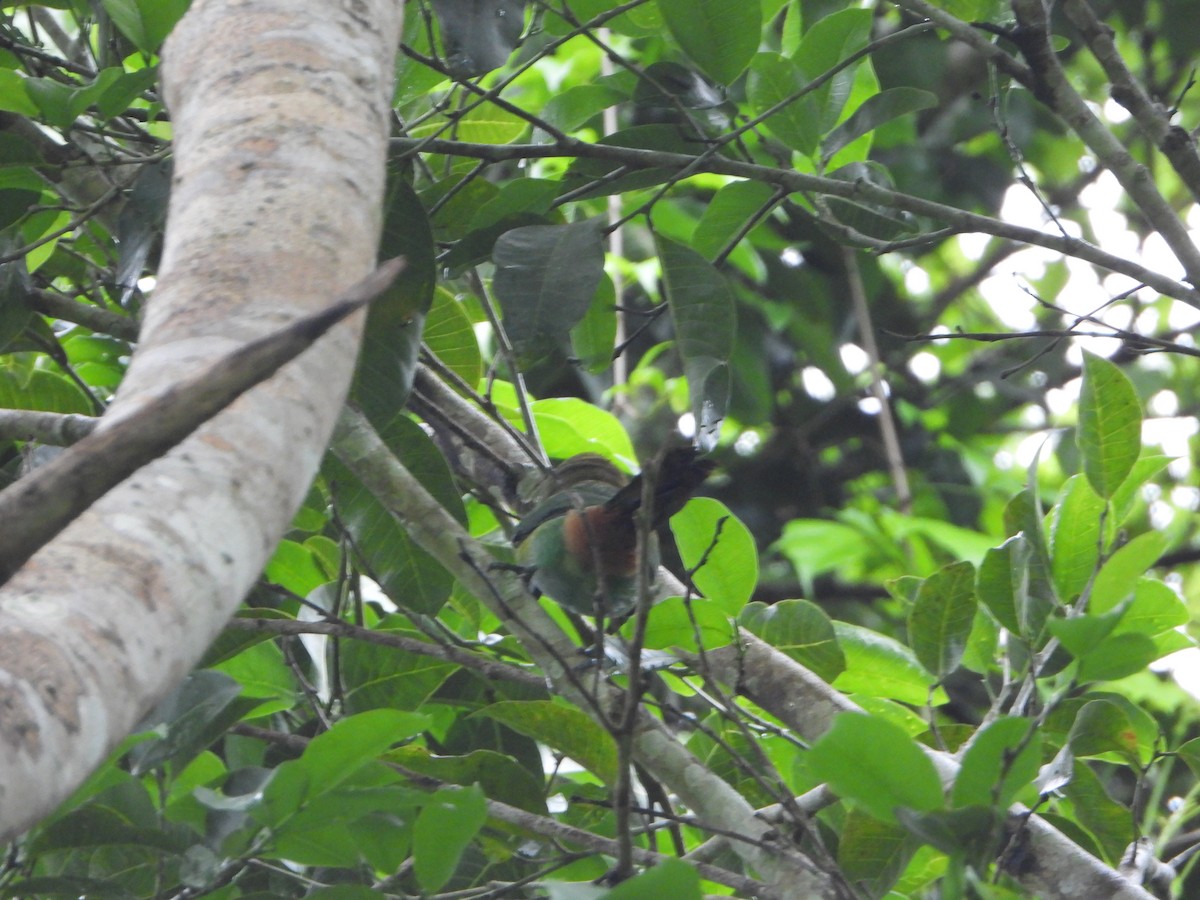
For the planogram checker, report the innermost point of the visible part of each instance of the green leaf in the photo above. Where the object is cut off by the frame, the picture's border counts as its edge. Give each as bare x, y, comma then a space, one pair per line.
189, 719
569, 426
942, 616
1189, 752
776, 80
546, 276
294, 567
712, 538
829, 41
412, 578
675, 623
872, 852
1014, 579
1126, 495
724, 216
594, 338
377, 676
564, 728
673, 878
879, 666
1155, 609
702, 310
1102, 726
1110, 425
450, 335
1119, 656
573, 108
801, 630
335, 755
720, 36
875, 765
875, 111
445, 827
1110, 823
13, 94
395, 319
817, 546
1001, 761
971, 833
1121, 572
145, 22
1075, 537
500, 776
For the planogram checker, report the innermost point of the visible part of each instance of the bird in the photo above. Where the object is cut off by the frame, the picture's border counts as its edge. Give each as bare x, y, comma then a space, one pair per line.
579, 543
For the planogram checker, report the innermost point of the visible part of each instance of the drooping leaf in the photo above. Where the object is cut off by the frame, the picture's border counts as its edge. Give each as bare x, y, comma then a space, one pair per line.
446, 825
140, 224
775, 85
189, 719
479, 35
702, 310
395, 319
546, 276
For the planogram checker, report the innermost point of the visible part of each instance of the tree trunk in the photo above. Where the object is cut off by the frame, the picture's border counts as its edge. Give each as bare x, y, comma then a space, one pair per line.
281, 113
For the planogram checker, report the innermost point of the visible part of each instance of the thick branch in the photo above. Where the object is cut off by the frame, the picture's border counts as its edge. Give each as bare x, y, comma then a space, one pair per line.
1055, 90
1051, 865
53, 495
792, 181
431, 527
1173, 141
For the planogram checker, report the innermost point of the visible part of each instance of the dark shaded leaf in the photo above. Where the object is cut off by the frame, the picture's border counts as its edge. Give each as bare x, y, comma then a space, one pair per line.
546, 276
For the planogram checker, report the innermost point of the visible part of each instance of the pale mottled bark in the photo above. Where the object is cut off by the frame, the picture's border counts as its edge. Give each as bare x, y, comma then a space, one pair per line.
280, 109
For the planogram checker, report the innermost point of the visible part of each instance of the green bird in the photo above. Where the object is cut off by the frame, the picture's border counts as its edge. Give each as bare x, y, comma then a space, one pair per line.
580, 541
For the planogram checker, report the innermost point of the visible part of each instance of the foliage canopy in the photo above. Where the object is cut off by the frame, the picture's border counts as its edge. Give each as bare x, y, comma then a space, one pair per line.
919, 275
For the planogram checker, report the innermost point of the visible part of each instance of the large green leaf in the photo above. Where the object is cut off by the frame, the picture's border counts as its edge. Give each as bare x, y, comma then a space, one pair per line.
800, 629
878, 109
775, 83
880, 666
942, 616
828, 42
546, 276
726, 214
1001, 760
146, 22
564, 728
876, 765
719, 36
1110, 425
445, 826
718, 551
1075, 537
673, 878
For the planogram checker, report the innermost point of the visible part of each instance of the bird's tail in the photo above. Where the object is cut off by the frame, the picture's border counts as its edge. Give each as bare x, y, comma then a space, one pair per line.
677, 476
